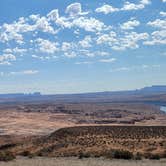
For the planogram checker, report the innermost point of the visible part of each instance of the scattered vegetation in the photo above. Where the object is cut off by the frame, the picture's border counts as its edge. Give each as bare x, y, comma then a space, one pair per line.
138, 156
122, 154
119, 142
118, 154
83, 155
154, 157
27, 154
6, 156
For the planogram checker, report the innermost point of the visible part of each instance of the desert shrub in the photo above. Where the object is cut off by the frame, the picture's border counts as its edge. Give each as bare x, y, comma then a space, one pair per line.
108, 154
138, 156
118, 154
6, 146
6, 156
154, 157
27, 154
96, 155
40, 154
122, 154
83, 155
164, 154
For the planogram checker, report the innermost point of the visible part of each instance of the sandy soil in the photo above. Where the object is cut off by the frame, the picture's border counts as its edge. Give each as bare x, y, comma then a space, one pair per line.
21, 123
42, 119
82, 162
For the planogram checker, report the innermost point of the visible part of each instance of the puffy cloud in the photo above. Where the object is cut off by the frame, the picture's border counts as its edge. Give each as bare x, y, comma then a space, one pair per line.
132, 6
19, 26
43, 25
106, 9
8, 36
60, 21
89, 24
107, 38
66, 46
158, 23
86, 42
164, 0
6, 59
163, 14
108, 60
34, 17
128, 40
145, 2
70, 54
130, 24
15, 50
157, 37
75, 9
53, 15
46, 46
15, 30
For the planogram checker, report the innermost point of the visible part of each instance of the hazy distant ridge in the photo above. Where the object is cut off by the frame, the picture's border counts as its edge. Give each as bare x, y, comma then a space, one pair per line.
156, 92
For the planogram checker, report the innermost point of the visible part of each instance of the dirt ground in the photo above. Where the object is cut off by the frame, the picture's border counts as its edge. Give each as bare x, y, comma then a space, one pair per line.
81, 162
41, 119
22, 123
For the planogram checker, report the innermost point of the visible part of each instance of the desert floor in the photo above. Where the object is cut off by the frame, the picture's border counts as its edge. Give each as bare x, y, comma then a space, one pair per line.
81, 162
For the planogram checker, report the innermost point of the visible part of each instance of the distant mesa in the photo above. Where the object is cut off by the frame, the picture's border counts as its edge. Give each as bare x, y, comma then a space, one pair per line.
16, 95
100, 96
154, 88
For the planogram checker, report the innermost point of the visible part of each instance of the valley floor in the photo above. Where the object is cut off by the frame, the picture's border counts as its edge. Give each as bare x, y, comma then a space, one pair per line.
81, 162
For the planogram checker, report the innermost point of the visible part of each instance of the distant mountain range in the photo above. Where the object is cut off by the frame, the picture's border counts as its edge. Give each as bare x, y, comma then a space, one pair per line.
156, 91
155, 88
15, 95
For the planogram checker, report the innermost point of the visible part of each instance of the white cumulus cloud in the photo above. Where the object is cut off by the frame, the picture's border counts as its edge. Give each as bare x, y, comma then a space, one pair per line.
75, 9
6, 59
132, 6
106, 9
46, 46
157, 37
130, 24
163, 14
86, 42
158, 23
89, 24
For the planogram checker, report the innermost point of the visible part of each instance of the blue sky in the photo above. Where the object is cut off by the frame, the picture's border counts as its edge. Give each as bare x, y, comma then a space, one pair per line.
81, 46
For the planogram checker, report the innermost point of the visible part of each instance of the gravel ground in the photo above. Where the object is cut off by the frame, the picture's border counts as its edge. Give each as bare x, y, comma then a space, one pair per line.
81, 162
